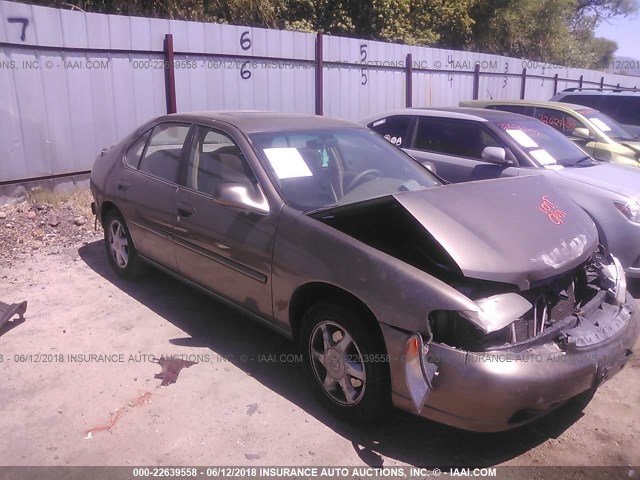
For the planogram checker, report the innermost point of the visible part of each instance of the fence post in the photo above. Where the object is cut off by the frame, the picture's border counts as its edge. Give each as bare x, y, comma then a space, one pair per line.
523, 83
555, 84
409, 81
319, 73
601, 83
476, 82
580, 81
170, 76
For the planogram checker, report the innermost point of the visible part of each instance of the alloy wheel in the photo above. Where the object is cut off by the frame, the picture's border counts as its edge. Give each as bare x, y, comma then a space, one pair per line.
337, 363
118, 243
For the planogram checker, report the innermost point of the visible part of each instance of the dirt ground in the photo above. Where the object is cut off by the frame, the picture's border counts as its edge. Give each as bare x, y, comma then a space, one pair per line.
245, 402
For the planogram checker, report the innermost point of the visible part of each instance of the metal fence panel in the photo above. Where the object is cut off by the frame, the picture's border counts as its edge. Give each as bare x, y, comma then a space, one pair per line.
73, 82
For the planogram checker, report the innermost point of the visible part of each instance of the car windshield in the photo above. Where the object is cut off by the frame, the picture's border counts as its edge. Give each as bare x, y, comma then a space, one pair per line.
318, 169
606, 124
545, 145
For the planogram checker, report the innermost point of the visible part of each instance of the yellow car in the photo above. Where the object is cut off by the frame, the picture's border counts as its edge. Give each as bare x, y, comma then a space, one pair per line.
597, 134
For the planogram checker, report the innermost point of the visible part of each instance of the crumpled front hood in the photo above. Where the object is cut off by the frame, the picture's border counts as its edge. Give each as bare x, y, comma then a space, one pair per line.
610, 176
512, 230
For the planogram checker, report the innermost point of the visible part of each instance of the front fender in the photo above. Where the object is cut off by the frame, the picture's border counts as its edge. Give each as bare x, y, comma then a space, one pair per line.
307, 250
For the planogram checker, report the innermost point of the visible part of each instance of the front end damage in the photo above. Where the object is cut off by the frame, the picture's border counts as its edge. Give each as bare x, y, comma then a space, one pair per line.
499, 366
534, 312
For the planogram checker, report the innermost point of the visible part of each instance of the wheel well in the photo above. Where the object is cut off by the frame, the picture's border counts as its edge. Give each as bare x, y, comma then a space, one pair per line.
307, 295
106, 208
601, 235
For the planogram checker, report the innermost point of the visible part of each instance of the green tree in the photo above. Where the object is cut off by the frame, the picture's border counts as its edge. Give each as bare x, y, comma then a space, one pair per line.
553, 31
414, 22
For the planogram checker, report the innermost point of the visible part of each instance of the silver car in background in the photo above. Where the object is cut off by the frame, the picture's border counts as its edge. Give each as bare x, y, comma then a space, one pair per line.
623, 105
465, 144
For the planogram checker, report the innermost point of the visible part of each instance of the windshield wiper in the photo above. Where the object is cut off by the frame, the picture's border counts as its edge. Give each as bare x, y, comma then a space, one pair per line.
624, 138
584, 159
316, 210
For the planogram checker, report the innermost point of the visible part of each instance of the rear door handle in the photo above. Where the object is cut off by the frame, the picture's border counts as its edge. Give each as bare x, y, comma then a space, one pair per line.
122, 185
185, 210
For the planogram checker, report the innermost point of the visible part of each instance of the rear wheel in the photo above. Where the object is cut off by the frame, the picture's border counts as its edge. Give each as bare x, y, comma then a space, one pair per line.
121, 252
347, 366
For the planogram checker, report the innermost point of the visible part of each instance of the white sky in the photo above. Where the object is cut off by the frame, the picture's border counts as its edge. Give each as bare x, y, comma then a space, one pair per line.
625, 31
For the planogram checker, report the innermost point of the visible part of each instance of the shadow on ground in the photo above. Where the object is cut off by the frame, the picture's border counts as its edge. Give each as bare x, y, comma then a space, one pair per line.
211, 324
10, 325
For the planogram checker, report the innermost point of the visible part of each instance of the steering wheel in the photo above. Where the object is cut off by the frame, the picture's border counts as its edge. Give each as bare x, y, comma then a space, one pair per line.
361, 176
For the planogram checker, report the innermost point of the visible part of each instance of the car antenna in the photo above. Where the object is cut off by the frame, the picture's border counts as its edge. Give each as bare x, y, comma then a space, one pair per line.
490, 97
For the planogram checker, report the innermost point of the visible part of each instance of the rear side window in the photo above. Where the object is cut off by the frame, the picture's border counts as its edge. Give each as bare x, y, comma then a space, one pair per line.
394, 129
134, 154
521, 109
623, 109
164, 152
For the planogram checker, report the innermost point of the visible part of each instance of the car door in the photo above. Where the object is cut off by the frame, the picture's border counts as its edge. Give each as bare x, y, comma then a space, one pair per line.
455, 148
225, 249
149, 184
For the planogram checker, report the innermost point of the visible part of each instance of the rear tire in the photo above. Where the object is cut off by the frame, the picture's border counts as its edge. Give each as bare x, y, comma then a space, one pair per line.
121, 252
346, 363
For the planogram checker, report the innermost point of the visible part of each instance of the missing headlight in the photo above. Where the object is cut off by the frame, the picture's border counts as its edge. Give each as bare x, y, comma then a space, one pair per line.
451, 329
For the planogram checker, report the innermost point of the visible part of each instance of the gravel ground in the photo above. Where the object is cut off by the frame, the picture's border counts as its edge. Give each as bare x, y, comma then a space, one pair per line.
245, 402
47, 223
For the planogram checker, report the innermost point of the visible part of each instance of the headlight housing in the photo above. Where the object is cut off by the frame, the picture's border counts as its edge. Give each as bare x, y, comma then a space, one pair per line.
497, 311
630, 209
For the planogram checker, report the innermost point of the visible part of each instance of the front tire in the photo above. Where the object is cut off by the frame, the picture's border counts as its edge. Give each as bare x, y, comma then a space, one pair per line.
346, 363
121, 252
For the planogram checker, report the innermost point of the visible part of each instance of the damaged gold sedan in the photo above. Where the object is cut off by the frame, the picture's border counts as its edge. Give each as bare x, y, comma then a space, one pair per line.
481, 305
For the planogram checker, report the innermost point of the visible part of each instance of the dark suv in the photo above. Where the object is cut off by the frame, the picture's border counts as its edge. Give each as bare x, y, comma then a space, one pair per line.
621, 105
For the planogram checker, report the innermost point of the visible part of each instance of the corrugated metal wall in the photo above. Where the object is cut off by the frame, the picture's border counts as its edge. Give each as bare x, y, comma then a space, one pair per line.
89, 79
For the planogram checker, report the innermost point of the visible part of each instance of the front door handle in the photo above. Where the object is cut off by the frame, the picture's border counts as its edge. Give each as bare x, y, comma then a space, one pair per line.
185, 210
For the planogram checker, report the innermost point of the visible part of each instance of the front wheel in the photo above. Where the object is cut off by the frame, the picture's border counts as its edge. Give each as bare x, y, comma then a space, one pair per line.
121, 252
346, 363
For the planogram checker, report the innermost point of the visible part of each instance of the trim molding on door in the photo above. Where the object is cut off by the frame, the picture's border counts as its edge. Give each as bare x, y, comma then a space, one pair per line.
249, 272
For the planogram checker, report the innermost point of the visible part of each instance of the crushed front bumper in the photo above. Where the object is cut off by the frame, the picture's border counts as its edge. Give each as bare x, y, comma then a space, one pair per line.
499, 390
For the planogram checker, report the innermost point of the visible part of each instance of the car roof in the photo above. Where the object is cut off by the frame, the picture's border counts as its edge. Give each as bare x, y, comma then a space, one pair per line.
253, 121
460, 113
532, 103
596, 91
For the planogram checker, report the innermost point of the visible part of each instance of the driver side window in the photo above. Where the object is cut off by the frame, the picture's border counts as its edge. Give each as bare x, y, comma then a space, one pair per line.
461, 139
561, 121
215, 159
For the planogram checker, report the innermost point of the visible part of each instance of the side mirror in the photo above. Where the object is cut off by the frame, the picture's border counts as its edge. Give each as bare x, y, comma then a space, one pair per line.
582, 133
495, 155
239, 196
